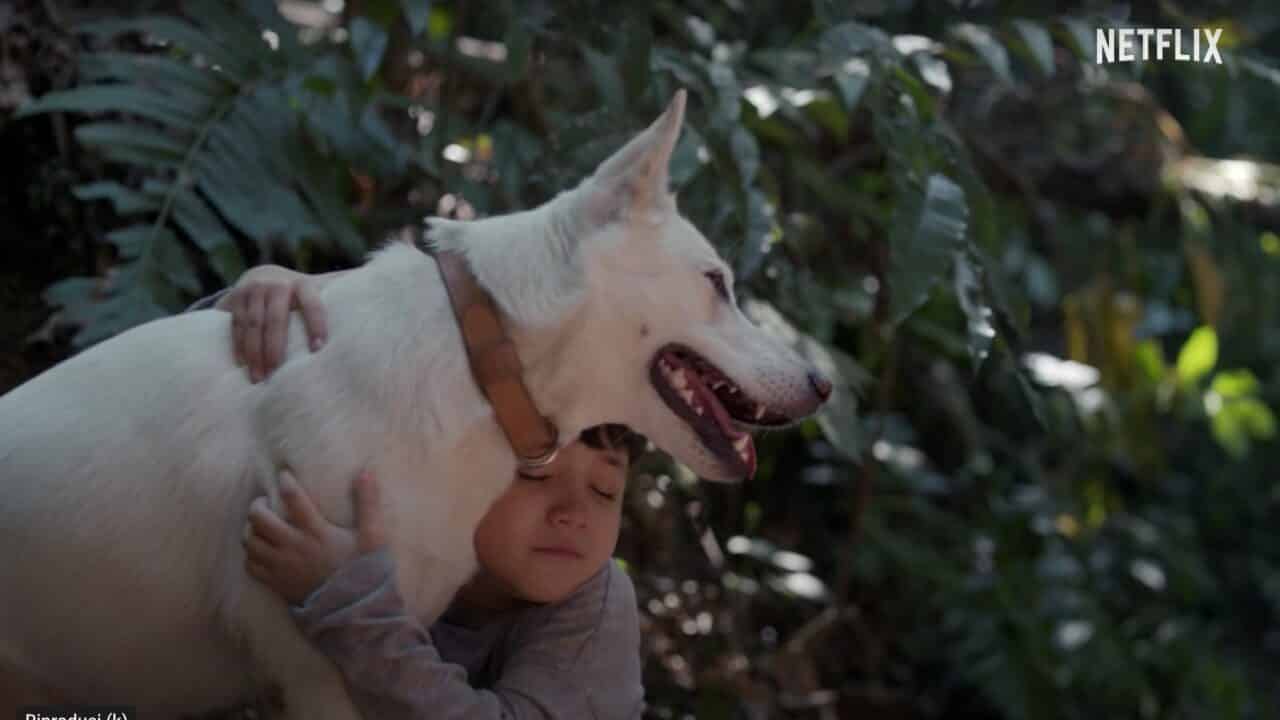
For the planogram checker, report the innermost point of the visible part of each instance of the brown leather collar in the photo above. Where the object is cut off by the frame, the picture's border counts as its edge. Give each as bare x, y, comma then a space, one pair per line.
495, 364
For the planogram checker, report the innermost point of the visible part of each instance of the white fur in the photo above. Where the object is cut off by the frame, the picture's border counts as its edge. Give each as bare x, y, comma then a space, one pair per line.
126, 472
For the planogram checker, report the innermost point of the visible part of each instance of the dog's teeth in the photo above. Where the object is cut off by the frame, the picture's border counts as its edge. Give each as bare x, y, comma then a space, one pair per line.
759, 412
679, 380
697, 409
687, 395
741, 445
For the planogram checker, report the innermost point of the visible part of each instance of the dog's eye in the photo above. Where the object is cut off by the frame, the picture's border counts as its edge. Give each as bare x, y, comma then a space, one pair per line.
717, 281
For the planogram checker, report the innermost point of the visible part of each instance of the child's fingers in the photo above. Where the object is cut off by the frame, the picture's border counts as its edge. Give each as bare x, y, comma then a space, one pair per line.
259, 571
264, 522
236, 328
298, 508
258, 551
275, 328
254, 309
236, 306
313, 316
369, 521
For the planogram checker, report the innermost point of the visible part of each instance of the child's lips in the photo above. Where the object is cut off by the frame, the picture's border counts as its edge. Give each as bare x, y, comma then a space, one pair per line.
559, 551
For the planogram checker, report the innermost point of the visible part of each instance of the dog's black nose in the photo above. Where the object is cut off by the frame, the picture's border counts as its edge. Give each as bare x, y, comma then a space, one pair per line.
821, 385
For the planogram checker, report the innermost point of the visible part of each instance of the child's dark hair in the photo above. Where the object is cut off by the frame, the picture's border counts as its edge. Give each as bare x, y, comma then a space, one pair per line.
615, 436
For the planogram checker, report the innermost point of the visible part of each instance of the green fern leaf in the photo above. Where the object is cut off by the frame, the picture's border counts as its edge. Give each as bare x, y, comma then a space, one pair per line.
182, 82
131, 242
170, 263
124, 201
133, 99
235, 60
133, 144
202, 225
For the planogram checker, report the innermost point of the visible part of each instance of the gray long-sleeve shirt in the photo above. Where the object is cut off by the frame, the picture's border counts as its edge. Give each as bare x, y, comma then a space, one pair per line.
579, 658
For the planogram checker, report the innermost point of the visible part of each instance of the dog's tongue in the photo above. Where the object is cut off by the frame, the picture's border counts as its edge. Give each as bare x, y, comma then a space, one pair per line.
721, 416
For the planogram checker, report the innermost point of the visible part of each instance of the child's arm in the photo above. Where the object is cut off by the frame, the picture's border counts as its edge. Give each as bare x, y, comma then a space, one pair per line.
579, 659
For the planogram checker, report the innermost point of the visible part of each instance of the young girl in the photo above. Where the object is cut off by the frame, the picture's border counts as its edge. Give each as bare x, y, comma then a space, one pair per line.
547, 628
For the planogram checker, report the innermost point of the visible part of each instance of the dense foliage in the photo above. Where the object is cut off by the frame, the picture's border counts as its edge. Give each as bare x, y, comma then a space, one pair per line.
1050, 290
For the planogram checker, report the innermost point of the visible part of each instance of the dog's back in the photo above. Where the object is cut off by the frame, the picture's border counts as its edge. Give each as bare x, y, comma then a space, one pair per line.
126, 473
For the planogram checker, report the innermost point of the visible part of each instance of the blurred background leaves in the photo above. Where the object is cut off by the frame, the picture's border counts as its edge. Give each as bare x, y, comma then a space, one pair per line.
1050, 291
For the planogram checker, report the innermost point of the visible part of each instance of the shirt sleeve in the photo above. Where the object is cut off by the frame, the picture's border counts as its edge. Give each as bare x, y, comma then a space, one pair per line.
207, 303
394, 671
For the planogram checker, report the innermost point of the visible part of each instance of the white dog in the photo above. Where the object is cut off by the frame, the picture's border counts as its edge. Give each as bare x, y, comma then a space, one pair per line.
126, 472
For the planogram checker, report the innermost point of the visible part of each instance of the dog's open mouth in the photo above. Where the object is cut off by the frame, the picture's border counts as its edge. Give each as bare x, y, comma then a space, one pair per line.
712, 404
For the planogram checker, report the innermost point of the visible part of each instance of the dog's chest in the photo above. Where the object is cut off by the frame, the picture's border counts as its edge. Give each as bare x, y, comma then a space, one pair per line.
433, 510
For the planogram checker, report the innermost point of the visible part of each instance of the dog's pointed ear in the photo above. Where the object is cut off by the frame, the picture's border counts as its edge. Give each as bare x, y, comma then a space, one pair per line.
636, 177
648, 154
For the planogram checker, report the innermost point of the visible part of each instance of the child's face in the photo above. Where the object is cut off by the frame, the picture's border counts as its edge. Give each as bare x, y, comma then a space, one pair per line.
554, 528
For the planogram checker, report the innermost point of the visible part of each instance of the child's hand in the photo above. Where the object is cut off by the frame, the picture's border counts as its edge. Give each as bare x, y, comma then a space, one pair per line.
295, 554
260, 304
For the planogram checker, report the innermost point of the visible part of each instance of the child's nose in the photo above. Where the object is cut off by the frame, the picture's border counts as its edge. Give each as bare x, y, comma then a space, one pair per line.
570, 509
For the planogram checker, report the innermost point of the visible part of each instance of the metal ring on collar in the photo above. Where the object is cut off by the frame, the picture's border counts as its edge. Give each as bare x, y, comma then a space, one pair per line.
540, 461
